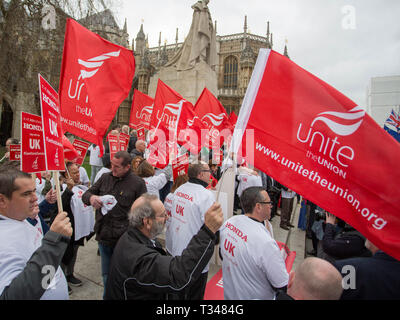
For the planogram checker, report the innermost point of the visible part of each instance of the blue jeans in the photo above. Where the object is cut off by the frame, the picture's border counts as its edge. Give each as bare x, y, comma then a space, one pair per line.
105, 254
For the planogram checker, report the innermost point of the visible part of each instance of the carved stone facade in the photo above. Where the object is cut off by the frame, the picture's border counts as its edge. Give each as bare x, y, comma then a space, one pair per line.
237, 54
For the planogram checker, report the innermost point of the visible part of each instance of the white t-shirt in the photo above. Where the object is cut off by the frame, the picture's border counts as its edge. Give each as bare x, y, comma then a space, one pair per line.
18, 241
155, 183
252, 262
190, 203
39, 189
168, 205
83, 214
248, 180
84, 176
94, 159
100, 173
288, 194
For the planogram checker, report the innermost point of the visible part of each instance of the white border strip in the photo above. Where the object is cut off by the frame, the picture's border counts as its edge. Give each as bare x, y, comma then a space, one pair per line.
249, 98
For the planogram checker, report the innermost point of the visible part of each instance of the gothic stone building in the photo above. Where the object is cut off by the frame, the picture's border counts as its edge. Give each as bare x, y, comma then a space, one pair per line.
237, 56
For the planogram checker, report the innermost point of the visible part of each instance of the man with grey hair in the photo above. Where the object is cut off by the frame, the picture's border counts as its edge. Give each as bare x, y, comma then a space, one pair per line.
142, 270
314, 279
190, 203
140, 148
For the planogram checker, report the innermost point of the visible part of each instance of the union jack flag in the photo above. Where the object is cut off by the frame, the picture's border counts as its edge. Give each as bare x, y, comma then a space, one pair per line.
392, 125
393, 120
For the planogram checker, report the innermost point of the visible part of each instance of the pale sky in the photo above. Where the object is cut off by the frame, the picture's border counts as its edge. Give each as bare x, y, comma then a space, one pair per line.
343, 42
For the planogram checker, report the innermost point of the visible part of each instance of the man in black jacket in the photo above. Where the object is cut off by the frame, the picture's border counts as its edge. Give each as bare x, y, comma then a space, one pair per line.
142, 270
374, 278
126, 187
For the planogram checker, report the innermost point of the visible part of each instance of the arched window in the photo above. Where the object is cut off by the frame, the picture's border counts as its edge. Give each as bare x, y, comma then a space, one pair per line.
230, 73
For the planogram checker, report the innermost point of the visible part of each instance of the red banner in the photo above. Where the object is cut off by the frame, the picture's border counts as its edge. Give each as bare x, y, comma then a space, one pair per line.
33, 159
180, 166
15, 152
96, 76
52, 131
114, 145
142, 108
81, 147
317, 142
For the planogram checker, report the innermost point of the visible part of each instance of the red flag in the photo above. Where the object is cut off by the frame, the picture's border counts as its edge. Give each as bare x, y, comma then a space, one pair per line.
70, 153
175, 117
233, 119
142, 108
319, 143
213, 114
96, 76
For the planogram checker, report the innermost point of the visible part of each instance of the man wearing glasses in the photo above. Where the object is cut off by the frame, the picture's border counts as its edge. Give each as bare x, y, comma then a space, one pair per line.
252, 265
142, 270
191, 201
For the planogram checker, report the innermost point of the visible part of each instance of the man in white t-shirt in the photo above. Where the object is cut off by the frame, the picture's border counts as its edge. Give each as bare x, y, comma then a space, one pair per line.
190, 203
248, 178
94, 161
252, 264
29, 263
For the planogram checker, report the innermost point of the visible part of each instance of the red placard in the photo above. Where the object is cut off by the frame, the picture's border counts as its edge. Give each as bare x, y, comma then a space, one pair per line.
15, 152
33, 159
114, 145
180, 166
123, 141
81, 147
141, 135
52, 131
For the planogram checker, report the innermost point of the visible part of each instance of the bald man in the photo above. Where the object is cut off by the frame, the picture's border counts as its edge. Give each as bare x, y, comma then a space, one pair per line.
142, 270
314, 279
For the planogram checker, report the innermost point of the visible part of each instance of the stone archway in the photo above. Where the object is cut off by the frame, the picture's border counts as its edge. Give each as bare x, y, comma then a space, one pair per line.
6, 122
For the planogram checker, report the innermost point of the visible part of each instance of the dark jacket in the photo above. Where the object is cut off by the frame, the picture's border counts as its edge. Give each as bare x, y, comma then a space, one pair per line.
343, 245
136, 153
376, 278
126, 190
132, 143
143, 271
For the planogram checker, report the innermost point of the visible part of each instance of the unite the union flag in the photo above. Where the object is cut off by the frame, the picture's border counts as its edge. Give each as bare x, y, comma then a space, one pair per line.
311, 138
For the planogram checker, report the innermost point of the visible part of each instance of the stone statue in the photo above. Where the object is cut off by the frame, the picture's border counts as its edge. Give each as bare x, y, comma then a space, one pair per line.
200, 44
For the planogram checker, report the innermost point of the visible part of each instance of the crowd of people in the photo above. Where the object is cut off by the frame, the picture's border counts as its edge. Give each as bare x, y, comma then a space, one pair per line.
126, 204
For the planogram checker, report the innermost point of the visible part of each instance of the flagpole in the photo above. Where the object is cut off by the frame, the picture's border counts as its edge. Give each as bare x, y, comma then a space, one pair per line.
56, 177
